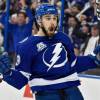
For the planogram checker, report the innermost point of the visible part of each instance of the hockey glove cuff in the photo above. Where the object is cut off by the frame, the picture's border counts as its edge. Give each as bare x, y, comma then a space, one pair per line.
96, 55
5, 64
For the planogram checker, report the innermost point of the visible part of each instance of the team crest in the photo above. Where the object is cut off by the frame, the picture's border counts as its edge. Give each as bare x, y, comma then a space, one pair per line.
55, 56
41, 46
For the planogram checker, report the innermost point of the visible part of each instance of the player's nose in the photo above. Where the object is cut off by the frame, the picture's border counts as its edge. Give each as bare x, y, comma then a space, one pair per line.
52, 22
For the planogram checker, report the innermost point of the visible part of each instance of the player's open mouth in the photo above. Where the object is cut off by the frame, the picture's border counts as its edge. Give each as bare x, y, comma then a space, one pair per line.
51, 29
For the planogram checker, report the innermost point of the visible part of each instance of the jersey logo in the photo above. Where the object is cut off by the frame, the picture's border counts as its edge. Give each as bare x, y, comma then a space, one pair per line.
57, 56
41, 46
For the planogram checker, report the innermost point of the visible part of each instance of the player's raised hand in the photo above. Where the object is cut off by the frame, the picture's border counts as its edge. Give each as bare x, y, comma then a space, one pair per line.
5, 64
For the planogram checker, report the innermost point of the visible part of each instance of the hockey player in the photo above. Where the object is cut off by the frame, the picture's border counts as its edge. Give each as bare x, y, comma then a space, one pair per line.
47, 62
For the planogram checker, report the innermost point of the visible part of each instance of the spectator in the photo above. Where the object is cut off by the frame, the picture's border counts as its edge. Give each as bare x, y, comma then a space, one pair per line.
90, 45
74, 9
90, 12
92, 41
19, 31
83, 34
72, 29
19, 28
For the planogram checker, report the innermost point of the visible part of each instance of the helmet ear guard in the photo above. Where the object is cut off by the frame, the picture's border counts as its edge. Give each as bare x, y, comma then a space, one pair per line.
98, 9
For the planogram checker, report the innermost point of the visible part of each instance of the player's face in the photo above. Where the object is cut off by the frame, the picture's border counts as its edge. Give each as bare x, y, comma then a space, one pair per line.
49, 22
98, 9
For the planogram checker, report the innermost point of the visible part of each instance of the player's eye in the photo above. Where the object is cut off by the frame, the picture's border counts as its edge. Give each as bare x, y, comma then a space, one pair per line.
55, 18
48, 18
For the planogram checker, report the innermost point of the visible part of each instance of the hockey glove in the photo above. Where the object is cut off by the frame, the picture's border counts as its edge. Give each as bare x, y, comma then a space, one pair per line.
96, 56
5, 64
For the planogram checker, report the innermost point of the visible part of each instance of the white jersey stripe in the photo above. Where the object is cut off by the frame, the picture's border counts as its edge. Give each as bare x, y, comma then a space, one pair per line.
43, 82
27, 75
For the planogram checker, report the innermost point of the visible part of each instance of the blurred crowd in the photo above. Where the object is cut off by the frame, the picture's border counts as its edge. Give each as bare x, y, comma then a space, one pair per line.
80, 24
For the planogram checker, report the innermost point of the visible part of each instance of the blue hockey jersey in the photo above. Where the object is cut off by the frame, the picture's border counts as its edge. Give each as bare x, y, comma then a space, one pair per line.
47, 64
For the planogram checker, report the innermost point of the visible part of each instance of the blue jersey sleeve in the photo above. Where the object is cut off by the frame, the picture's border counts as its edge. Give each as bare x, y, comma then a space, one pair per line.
22, 72
84, 63
24, 58
15, 79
